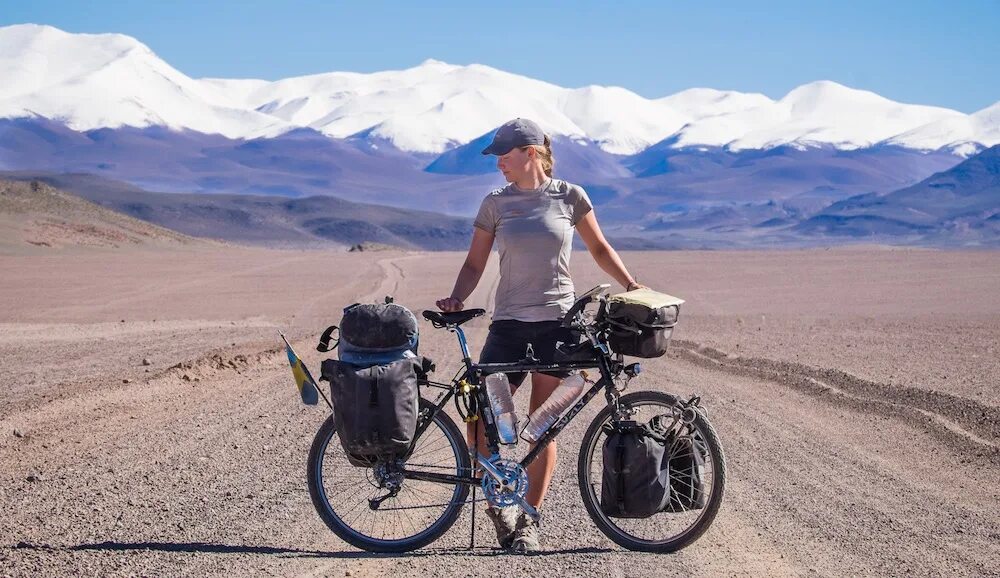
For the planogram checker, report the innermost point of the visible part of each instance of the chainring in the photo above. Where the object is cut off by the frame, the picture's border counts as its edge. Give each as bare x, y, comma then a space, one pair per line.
498, 496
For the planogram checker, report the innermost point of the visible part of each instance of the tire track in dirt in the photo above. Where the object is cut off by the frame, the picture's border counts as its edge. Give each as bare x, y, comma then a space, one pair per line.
178, 394
960, 421
167, 288
388, 282
215, 363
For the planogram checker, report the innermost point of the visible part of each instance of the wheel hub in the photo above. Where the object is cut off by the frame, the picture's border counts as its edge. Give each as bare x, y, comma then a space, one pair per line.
388, 476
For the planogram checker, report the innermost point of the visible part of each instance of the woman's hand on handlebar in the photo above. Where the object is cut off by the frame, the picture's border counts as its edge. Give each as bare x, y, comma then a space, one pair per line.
449, 304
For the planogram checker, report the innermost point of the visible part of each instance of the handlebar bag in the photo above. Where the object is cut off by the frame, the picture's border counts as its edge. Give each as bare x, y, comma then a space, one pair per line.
375, 408
642, 322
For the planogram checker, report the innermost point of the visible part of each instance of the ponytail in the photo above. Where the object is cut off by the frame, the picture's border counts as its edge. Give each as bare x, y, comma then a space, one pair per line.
548, 161
544, 152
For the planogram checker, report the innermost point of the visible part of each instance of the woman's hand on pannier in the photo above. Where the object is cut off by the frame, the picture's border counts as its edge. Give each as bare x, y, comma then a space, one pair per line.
635, 285
449, 304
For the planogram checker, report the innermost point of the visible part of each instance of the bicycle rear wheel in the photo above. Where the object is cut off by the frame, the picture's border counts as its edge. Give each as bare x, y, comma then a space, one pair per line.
667, 531
419, 514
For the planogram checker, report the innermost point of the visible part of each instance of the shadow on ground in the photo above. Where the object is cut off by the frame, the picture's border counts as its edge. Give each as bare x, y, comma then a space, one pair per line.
209, 548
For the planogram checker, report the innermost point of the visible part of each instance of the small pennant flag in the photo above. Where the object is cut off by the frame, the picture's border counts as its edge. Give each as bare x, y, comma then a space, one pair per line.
303, 379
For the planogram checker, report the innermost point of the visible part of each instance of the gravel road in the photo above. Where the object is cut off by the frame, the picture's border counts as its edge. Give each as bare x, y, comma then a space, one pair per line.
149, 424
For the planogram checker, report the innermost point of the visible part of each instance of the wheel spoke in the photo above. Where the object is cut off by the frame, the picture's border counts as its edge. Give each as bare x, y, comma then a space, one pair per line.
677, 525
418, 512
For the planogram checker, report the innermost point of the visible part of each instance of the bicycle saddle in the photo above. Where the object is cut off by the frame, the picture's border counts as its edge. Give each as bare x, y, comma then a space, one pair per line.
441, 319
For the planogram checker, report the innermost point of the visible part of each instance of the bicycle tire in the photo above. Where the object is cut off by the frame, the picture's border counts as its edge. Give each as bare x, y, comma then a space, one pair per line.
435, 530
592, 502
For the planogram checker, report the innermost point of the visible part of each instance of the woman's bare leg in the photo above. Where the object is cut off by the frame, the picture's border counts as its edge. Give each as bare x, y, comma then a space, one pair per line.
475, 433
540, 471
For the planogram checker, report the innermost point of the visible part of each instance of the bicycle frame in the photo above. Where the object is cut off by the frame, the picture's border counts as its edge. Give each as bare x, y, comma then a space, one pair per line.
472, 374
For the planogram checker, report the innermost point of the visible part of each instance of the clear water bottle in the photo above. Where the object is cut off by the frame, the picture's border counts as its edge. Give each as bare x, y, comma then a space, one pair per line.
502, 403
562, 397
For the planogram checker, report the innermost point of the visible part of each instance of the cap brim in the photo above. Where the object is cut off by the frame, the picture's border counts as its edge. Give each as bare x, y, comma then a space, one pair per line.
495, 149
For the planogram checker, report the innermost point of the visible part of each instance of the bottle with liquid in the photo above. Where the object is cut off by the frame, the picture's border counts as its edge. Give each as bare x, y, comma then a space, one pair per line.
562, 397
502, 403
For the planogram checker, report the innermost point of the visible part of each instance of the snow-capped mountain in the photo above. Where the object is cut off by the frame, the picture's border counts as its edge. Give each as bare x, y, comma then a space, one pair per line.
818, 113
109, 80
962, 134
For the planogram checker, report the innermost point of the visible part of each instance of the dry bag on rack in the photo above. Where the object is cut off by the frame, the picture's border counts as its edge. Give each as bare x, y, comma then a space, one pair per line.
642, 322
373, 333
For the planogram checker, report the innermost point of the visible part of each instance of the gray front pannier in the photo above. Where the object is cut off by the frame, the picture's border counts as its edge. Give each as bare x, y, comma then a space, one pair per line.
375, 408
649, 468
635, 482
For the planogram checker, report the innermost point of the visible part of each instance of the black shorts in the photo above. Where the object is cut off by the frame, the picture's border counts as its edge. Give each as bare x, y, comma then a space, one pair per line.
508, 339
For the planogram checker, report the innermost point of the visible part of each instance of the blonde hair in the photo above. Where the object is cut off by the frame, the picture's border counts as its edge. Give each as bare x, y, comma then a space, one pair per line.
545, 155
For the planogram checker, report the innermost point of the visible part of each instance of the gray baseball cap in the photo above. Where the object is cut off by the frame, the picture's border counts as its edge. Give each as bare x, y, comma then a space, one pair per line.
519, 132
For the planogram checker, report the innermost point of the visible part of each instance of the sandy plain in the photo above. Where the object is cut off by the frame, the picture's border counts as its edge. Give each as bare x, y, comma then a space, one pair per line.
854, 390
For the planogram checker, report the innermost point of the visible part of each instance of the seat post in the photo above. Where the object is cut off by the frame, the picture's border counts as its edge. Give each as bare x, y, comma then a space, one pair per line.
461, 341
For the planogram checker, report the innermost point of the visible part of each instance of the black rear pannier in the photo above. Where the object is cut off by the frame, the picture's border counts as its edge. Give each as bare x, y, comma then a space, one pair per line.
375, 408
642, 322
649, 470
374, 384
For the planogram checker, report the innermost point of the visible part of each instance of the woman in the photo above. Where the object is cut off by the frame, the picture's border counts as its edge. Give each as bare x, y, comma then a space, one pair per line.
532, 220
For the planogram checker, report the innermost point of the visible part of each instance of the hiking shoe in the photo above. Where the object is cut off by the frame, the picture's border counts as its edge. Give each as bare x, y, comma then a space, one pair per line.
505, 522
526, 535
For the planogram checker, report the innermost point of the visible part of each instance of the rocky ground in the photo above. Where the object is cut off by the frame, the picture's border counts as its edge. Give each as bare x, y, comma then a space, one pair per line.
149, 424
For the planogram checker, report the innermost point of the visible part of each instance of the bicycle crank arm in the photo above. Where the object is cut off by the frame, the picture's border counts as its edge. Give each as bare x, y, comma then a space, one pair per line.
528, 508
493, 471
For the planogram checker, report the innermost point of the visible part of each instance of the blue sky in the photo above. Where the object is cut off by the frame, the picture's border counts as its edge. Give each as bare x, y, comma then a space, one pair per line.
940, 53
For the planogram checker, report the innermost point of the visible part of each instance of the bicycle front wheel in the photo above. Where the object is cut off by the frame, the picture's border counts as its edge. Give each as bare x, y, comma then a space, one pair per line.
666, 531
416, 516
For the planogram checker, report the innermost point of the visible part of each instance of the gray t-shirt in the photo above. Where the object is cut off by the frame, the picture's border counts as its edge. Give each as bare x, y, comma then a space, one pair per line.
534, 234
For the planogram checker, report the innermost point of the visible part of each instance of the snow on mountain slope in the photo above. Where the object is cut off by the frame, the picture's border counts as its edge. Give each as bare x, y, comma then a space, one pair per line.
427, 108
817, 113
965, 134
110, 80
706, 102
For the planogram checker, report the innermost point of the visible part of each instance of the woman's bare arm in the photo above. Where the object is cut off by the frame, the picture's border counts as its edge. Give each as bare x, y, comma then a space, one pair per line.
471, 272
605, 255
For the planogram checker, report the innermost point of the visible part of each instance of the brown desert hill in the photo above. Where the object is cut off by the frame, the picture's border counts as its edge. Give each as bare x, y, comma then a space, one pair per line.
33, 214
318, 222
